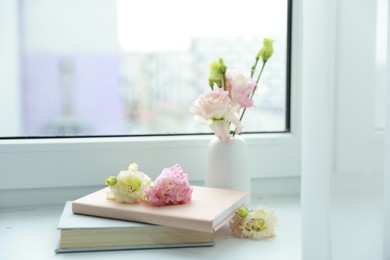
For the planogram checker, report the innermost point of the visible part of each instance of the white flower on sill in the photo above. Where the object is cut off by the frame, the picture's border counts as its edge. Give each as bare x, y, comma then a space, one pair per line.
129, 186
257, 224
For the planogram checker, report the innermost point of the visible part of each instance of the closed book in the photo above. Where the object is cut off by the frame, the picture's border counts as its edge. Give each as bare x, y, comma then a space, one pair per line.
208, 210
79, 233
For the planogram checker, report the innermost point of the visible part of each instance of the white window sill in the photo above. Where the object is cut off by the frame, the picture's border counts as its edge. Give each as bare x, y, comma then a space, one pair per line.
30, 233
356, 231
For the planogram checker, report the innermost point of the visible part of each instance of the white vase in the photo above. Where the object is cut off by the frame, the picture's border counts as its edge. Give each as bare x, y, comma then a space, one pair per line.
227, 164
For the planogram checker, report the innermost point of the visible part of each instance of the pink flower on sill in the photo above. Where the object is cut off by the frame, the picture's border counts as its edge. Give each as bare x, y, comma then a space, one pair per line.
170, 188
240, 87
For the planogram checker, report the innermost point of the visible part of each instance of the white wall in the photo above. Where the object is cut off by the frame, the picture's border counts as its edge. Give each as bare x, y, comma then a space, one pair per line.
342, 146
357, 146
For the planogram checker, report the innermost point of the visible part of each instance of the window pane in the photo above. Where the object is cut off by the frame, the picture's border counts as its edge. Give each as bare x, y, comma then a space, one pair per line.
103, 67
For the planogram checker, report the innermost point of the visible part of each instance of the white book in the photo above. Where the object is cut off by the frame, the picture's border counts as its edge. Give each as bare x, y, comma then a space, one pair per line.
79, 233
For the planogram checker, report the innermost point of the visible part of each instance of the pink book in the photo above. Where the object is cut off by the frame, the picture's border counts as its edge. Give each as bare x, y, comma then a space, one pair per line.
209, 209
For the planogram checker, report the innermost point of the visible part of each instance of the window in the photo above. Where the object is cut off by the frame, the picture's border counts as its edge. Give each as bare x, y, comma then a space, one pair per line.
74, 162
98, 68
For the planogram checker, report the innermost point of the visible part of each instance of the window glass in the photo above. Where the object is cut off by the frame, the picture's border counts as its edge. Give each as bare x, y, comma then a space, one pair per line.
104, 67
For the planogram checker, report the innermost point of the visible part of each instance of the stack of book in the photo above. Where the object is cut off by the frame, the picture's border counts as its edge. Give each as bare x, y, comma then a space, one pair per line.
93, 223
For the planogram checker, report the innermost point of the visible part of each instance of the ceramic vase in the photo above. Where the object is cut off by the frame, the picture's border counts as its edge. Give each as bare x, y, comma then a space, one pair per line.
227, 164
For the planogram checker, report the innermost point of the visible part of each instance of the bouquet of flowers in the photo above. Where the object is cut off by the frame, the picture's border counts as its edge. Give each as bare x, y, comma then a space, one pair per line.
230, 94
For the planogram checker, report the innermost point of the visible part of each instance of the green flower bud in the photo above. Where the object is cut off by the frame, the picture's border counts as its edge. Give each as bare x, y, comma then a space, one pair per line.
111, 181
242, 212
267, 50
217, 72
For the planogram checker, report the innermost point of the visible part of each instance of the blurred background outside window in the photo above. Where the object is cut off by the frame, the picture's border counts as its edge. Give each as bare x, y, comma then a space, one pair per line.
104, 67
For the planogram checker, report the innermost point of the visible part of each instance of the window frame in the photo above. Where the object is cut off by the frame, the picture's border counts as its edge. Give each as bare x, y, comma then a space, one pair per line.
74, 162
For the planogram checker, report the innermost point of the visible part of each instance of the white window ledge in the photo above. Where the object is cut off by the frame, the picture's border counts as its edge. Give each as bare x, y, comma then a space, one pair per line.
35, 230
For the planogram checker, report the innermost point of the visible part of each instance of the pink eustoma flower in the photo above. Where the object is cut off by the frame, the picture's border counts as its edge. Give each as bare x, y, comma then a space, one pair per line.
170, 188
240, 87
215, 109
213, 104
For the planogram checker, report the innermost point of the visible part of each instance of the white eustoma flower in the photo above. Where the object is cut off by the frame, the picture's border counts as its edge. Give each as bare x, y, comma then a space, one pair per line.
130, 185
259, 224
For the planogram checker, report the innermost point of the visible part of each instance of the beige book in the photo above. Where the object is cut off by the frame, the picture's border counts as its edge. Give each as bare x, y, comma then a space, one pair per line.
208, 210
79, 233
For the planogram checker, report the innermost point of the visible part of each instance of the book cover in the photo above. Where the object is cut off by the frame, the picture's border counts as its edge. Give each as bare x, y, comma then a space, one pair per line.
80, 233
208, 210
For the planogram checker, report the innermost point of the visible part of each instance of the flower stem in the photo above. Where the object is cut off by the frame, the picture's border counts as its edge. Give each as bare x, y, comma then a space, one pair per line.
254, 90
257, 81
253, 69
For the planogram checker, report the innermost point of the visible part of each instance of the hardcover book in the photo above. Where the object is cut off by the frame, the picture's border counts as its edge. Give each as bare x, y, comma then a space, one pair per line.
208, 210
80, 233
